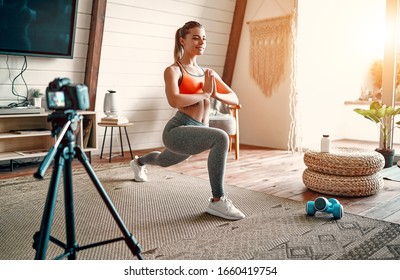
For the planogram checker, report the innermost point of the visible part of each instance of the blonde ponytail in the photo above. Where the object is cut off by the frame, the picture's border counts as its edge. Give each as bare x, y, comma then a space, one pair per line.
178, 49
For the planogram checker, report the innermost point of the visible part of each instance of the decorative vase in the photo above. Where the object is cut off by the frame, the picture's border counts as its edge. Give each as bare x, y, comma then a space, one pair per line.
388, 155
37, 102
110, 104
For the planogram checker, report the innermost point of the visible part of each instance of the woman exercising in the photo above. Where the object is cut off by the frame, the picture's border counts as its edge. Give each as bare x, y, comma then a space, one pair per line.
189, 88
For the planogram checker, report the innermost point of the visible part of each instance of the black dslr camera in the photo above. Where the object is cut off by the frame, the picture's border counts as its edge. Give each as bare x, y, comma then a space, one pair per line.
61, 94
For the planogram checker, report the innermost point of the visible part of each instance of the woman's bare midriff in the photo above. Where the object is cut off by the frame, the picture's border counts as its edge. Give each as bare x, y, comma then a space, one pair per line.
199, 111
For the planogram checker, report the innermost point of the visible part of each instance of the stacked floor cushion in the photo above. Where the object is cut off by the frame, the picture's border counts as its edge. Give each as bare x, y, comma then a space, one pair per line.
344, 171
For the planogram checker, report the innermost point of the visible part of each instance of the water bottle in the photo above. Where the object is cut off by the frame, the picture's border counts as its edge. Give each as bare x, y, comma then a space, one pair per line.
325, 144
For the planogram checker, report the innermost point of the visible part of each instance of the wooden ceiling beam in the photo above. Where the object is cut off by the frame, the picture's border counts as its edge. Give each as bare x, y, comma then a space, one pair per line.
94, 49
234, 39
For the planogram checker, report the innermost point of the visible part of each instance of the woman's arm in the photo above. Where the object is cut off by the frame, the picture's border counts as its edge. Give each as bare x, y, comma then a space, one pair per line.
175, 99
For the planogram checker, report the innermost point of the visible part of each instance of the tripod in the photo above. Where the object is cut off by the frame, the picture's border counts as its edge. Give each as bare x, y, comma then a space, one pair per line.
63, 152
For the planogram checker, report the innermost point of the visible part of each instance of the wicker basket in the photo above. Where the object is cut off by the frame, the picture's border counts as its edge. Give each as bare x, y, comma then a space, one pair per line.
345, 162
342, 185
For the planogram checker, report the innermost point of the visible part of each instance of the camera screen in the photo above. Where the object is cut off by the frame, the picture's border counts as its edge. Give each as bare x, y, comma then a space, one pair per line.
56, 99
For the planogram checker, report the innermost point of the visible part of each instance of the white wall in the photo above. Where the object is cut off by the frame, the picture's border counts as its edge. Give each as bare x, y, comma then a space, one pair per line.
337, 41
138, 45
264, 121
41, 71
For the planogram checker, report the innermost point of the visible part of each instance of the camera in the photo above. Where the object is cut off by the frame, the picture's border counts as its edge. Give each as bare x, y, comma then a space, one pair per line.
61, 94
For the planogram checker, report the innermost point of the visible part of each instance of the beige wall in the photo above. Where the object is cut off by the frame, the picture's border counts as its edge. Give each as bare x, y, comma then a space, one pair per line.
337, 42
264, 121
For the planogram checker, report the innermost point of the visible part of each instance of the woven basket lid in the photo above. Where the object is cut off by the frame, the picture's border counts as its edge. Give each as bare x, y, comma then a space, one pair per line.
345, 161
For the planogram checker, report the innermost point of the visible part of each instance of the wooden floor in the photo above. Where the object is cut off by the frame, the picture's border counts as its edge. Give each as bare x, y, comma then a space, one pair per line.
269, 171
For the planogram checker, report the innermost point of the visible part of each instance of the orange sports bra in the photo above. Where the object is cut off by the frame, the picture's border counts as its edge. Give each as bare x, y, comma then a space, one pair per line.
191, 84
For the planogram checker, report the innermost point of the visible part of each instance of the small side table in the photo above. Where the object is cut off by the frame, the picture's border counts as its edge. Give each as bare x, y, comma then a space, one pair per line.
107, 125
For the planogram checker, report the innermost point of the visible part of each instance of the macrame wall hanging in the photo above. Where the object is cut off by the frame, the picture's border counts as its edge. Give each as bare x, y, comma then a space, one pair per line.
273, 40
269, 51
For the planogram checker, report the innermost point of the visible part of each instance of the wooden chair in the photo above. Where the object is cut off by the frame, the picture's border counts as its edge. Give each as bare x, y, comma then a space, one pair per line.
226, 117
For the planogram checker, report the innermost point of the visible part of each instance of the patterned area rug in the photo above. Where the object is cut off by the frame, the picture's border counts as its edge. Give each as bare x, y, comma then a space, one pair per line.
167, 217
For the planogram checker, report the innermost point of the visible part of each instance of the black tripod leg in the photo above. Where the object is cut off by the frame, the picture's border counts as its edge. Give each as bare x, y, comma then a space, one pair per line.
48, 213
69, 211
131, 242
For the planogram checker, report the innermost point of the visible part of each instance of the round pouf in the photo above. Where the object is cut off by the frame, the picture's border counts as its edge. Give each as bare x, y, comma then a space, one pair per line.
343, 185
345, 162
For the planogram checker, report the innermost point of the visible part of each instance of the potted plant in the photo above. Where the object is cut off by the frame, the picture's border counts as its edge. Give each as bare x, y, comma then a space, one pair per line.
383, 116
37, 100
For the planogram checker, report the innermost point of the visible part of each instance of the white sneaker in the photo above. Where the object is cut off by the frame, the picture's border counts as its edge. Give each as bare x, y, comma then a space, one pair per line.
138, 170
224, 209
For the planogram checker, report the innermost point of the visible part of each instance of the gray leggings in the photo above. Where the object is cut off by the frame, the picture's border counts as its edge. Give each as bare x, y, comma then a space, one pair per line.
183, 137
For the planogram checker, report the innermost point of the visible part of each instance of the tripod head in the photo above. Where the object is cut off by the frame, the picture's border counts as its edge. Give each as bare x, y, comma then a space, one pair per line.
64, 123
60, 118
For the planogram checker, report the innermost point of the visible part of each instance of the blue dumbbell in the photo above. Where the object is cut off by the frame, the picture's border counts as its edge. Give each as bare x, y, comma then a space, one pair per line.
322, 204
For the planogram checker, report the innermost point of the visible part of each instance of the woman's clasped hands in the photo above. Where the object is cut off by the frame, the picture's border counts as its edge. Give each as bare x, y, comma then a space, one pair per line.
210, 85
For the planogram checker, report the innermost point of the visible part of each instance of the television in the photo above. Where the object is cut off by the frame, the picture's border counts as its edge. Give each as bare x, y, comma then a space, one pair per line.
44, 28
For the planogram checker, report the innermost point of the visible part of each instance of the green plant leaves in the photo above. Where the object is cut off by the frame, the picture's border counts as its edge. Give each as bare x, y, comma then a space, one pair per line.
369, 114
382, 114
378, 112
375, 105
